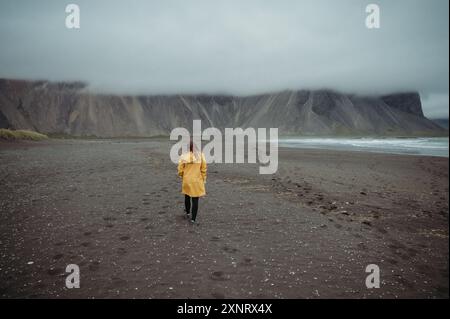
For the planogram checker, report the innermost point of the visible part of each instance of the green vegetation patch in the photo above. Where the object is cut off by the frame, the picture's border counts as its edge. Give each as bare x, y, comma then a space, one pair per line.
14, 135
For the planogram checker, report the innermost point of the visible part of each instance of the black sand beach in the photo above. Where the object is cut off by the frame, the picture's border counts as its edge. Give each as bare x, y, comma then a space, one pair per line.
114, 208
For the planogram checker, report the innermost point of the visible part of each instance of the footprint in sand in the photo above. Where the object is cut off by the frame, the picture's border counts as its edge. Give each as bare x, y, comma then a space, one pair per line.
362, 246
218, 295
356, 235
381, 230
123, 238
338, 226
396, 245
230, 249
55, 271
121, 251
392, 261
144, 219
94, 266
412, 252
367, 223
117, 281
219, 276
247, 261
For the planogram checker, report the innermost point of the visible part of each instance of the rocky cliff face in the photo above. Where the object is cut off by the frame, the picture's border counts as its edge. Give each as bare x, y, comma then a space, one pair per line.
69, 109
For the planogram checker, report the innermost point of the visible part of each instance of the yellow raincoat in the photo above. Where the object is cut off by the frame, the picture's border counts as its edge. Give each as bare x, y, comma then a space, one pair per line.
192, 169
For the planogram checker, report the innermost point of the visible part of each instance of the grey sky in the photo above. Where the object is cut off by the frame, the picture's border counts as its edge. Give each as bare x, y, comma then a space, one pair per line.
237, 47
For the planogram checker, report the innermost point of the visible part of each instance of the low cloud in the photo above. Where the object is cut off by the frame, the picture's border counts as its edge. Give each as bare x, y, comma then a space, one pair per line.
435, 105
235, 47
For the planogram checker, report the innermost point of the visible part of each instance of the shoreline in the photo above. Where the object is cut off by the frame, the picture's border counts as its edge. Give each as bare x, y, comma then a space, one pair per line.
25, 143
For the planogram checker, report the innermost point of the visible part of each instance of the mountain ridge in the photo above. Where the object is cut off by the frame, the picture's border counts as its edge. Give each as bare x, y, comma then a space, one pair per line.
68, 108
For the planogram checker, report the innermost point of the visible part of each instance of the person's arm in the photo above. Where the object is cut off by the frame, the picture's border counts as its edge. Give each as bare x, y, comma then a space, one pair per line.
203, 168
180, 167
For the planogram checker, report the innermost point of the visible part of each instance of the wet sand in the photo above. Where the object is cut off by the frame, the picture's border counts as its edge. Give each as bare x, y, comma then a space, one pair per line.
114, 208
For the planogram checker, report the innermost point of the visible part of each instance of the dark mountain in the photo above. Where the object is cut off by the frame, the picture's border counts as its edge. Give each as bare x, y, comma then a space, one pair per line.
69, 108
441, 122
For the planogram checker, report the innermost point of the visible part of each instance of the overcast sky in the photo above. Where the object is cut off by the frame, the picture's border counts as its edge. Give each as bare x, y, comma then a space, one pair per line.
236, 47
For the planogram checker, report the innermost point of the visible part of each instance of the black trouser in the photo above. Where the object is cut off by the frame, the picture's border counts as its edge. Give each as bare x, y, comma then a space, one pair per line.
187, 204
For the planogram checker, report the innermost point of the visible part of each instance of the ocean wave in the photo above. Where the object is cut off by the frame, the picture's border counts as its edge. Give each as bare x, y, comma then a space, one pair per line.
437, 146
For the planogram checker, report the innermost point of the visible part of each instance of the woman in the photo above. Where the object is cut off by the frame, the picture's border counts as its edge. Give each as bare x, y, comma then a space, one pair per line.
192, 169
